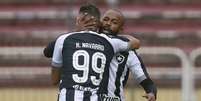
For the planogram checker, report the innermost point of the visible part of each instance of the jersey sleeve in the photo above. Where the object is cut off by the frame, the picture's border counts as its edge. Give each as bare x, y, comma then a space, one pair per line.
57, 54
119, 44
136, 67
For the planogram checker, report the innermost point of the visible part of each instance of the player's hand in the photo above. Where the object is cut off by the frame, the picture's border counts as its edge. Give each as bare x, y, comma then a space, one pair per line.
150, 97
135, 43
87, 22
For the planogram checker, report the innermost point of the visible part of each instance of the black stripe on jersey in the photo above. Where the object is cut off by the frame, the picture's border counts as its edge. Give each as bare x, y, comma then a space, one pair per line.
99, 97
58, 97
119, 73
126, 77
142, 65
87, 95
119, 37
70, 95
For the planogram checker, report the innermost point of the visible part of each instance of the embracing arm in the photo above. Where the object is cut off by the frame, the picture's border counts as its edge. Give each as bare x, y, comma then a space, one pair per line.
134, 42
48, 50
57, 62
150, 89
55, 75
147, 84
141, 75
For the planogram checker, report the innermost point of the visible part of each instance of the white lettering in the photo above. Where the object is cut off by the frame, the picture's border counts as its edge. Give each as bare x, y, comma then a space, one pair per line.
93, 46
78, 87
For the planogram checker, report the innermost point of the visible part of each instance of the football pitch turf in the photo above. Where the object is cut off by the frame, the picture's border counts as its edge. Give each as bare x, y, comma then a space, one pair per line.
50, 94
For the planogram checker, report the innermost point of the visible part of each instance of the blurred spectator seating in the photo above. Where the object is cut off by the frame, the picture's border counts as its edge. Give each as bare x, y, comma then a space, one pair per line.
160, 25
27, 26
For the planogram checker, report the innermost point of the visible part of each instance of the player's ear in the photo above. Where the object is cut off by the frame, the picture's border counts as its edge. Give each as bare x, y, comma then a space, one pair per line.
77, 20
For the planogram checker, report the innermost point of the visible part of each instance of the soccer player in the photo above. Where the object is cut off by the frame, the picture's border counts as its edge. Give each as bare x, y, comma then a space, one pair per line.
122, 63
81, 60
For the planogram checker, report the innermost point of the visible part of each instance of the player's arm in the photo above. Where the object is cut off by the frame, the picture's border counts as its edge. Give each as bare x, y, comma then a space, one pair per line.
134, 42
55, 75
57, 61
121, 44
49, 49
150, 89
141, 75
148, 85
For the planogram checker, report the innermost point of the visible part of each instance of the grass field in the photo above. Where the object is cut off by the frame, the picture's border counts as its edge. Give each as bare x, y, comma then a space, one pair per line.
50, 94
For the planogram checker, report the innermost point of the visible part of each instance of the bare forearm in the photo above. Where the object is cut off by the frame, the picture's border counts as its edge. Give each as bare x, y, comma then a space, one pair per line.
55, 76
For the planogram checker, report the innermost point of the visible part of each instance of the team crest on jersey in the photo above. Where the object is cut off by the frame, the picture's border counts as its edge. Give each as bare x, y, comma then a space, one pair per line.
120, 58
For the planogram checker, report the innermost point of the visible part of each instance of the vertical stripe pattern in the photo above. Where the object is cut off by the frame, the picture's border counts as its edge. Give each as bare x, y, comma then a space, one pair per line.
62, 95
77, 95
119, 74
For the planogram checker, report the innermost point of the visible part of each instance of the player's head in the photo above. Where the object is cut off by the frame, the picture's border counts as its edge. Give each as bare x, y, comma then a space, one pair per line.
112, 22
91, 10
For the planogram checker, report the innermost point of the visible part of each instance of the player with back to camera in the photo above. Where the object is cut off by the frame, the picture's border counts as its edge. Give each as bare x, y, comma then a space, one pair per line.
81, 59
122, 63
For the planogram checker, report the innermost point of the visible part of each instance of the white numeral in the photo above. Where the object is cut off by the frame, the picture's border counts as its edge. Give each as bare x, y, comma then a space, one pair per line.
85, 66
100, 70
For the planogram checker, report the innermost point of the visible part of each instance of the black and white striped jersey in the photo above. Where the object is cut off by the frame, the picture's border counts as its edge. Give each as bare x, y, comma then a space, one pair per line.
77, 95
119, 69
84, 58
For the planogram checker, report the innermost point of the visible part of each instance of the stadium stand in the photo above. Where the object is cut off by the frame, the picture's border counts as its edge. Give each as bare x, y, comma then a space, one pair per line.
34, 23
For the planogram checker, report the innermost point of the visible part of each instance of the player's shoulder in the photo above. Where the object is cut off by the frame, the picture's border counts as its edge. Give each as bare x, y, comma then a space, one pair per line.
64, 35
118, 37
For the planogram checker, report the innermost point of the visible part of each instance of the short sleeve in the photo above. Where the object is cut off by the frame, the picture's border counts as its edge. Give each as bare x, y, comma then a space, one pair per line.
57, 54
119, 44
135, 66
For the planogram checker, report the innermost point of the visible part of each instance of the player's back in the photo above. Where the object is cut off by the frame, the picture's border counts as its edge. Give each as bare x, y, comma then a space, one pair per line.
86, 56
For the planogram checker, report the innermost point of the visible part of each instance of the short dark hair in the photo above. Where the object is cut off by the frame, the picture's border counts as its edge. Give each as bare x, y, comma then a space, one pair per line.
90, 9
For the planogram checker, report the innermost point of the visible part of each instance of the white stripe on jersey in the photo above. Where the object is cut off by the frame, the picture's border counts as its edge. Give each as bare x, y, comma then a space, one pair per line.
57, 54
112, 76
79, 95
62, 95
133, 64
94, 96
121, 86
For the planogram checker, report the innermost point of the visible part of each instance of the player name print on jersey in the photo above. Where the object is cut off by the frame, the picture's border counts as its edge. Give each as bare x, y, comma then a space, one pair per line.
90, 45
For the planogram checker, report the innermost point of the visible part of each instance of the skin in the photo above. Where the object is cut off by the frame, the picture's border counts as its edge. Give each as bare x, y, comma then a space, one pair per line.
87, 22
112, 23
81, 24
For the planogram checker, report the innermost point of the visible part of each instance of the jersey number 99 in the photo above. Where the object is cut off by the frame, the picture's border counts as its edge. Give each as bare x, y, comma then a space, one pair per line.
86, 64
